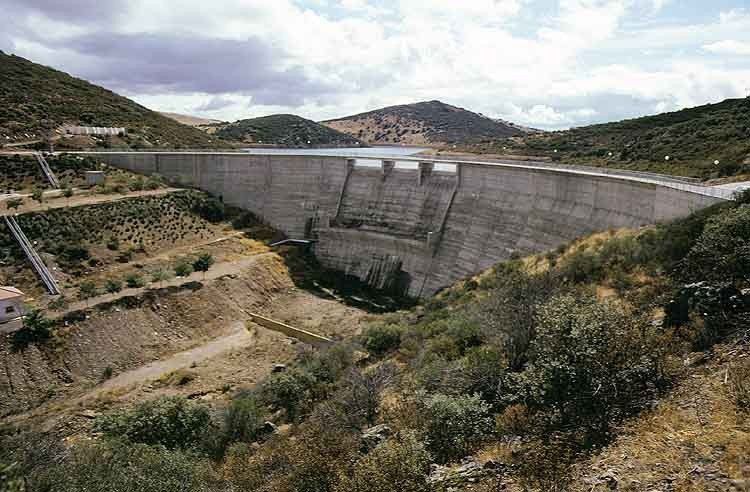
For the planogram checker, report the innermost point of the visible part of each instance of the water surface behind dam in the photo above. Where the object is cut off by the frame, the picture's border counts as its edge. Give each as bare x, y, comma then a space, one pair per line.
374, 152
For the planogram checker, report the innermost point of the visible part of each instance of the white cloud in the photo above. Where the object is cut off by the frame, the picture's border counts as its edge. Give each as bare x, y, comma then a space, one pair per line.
538, 62
729, 47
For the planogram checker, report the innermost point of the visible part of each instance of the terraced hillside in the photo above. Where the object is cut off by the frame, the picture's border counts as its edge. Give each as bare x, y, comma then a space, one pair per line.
285, 130
80, 241
35, 100
423, 123
692, 140
23, 173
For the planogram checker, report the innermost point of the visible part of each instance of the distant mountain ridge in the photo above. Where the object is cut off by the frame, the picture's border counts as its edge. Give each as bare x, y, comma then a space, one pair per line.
35, 100
285, 130
423, 123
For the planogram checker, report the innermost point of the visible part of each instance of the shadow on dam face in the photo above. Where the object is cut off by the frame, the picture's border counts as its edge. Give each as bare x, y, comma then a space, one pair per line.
423, 225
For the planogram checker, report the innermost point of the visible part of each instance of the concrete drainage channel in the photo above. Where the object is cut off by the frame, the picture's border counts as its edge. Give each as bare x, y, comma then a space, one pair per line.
301, 335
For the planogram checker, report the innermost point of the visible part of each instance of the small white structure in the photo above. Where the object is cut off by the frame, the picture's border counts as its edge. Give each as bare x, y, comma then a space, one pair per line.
94, 178
11, 309
94, 130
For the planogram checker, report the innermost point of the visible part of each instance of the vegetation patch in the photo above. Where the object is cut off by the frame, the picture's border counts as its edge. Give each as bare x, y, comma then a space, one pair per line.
689, 142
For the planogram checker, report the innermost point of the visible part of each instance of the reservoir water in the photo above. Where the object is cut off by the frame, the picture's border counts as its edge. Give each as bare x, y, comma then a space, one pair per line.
374, 152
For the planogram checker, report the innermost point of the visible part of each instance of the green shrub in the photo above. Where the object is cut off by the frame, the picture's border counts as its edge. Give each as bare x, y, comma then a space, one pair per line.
401, 462
593, 364
210, 209
203, 263
289, 390
123, 467
722, 252
245, 220
380, 339
113, 286
244, 419
183, 269
453, 426
11, 479
36, 329
87, 290
173, 422
134, 281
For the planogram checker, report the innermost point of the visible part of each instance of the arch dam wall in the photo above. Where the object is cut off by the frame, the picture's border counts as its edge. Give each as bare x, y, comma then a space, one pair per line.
415, 226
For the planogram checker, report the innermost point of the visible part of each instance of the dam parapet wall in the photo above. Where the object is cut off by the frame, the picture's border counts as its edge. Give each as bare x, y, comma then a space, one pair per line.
415, 226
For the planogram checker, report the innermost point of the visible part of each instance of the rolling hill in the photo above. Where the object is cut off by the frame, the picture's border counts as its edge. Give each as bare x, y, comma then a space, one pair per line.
36, 100
189, 120
693, 139
424, 123
285, 129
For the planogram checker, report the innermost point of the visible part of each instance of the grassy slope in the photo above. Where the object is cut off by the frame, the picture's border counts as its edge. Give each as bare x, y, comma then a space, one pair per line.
35, 99
693, 139
284, 129
429, 122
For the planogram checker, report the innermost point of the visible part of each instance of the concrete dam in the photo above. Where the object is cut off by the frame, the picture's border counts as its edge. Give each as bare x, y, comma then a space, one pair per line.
415, 226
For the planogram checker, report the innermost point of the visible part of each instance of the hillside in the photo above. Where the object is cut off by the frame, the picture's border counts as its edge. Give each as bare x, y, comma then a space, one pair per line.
286, 130
189, 120
423, 123
616, 362
692, 138
36, 100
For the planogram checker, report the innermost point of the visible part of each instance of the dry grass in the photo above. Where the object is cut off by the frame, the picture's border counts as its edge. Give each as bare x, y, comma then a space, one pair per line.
697, 439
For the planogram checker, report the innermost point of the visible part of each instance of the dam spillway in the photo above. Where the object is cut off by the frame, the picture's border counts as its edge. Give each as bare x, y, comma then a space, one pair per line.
417, 225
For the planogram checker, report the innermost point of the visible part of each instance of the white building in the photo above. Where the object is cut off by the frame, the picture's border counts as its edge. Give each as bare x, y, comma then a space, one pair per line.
11, 309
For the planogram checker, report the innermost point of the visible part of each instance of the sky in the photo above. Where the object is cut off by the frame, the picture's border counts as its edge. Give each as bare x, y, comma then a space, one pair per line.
548, 64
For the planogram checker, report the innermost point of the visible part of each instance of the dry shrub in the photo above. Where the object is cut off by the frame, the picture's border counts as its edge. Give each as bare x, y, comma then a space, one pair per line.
513, 421
739, 380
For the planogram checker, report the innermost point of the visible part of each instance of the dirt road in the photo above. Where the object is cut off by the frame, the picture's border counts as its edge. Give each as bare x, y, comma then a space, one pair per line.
238, 338
217, 271
77, 200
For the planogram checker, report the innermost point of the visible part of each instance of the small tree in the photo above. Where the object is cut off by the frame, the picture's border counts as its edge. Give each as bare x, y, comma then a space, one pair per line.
38, 195
67, 193
183, 269
159, 276
400, 463
113, 286
13, 203
87, 290
134, 281
453, 425
203, 263
36, 328
243, 421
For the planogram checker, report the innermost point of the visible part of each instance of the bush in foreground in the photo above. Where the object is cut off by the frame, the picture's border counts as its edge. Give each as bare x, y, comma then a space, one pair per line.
173, 422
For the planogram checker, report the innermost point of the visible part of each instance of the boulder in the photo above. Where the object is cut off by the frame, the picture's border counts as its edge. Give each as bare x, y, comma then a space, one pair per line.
374, 436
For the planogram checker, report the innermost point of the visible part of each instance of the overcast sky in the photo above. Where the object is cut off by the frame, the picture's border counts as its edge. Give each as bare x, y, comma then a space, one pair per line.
544, 63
